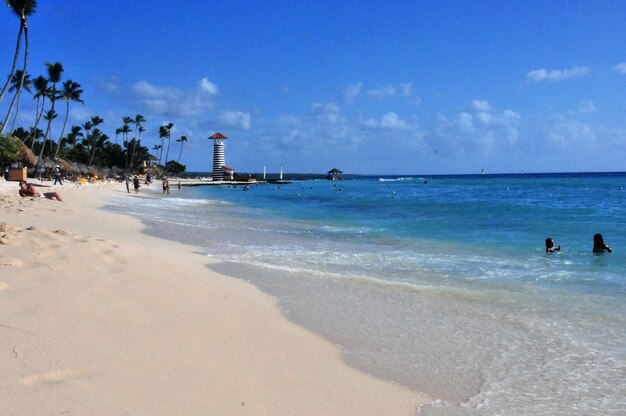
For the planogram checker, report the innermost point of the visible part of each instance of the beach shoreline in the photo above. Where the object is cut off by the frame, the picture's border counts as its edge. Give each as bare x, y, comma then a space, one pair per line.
98, 317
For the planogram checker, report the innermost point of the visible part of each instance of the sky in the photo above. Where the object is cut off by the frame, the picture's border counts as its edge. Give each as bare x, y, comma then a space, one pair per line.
369, 87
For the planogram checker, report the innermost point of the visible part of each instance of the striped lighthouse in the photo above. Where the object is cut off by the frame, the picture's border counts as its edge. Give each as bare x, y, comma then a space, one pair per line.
218, 156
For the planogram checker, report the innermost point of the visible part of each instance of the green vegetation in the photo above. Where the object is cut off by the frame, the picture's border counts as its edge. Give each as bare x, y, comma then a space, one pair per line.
83, 144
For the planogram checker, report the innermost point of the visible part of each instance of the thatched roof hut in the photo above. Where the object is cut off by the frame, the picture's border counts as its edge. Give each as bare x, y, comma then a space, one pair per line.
26, 155
66, 166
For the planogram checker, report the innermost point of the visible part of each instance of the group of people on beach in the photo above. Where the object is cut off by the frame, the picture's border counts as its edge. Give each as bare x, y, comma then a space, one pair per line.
599, 246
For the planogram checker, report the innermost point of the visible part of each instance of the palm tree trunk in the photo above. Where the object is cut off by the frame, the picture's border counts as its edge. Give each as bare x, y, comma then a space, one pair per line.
23, 28
38, 115
126, 145
181, 151
17, 54
47, 133
167, 154
67, 113
93, 153
6, 119
17, 110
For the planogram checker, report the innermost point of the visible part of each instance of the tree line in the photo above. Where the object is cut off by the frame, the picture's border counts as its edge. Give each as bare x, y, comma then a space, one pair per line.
85, 143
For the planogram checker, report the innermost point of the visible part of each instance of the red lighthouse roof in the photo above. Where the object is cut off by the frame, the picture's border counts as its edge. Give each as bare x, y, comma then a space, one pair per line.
218, 136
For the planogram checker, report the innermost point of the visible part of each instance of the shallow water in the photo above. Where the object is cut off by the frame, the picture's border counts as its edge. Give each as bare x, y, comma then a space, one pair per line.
442, 286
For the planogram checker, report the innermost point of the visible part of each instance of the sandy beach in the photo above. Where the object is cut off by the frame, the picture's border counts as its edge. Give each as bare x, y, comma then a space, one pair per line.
97, 318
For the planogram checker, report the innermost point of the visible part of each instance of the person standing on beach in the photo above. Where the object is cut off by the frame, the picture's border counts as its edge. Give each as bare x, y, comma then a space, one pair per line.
166, 186
127, 181
599, 245
136, 184
57, 175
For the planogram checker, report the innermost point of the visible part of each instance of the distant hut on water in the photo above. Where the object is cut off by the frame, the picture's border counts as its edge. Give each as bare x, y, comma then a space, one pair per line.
335, 174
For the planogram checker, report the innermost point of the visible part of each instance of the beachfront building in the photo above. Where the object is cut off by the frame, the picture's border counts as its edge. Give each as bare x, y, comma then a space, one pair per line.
335, 174
229, 173
218, 156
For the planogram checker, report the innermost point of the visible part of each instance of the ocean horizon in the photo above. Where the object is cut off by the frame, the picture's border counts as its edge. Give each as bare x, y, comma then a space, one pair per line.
440, 283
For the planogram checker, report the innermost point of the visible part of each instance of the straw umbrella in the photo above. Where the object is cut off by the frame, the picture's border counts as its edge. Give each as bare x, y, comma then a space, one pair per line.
65, 165
26, 155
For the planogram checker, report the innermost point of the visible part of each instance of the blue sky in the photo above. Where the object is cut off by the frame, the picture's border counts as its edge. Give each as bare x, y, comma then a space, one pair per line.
407, 87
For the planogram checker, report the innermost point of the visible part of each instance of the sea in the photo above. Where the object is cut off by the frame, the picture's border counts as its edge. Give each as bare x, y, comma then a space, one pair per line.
440, 284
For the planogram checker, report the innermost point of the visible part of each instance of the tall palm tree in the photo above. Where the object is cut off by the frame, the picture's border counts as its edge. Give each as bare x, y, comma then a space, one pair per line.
23, 9
41, 91
117, 133
126, 121
48, 116
182, 141
17, 79
139, 119
54, 76
70, 92
162, 136
164, 133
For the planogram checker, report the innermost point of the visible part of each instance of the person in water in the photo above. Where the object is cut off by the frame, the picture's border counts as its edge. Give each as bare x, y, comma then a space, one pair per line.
550, 247
599, 246
28, 189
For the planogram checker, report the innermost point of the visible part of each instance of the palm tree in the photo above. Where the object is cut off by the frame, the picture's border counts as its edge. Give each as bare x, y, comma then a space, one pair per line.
23, 9
48, 116
162, 136
98, 139
182, 141
17, 79
164, 133
20, 133
41, 91
139, 119
70, 92
125, 130
34, 134
54, 75
117, 133
74, 134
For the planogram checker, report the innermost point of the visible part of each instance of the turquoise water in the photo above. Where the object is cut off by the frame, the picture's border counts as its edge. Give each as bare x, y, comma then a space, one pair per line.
441, 284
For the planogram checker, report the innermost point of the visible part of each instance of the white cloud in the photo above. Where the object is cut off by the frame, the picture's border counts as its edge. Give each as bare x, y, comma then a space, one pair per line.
557, 74
110, 86
391, 91
175, 102
208, 87
327, 114
480, 129
389, 121
234, 119
586, 107
621, 67
351, 92
481, 105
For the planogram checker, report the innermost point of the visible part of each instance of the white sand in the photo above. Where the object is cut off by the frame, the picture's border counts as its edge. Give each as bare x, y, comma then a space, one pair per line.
97, 318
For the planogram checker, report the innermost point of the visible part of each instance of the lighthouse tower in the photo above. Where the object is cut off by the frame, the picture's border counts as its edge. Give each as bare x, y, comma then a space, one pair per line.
218, 156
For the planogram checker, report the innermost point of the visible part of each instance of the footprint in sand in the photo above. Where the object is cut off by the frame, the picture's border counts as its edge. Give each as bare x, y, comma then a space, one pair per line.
52, 377
13, 262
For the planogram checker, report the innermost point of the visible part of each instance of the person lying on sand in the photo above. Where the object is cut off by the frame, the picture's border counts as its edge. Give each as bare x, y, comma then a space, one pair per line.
28, 189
